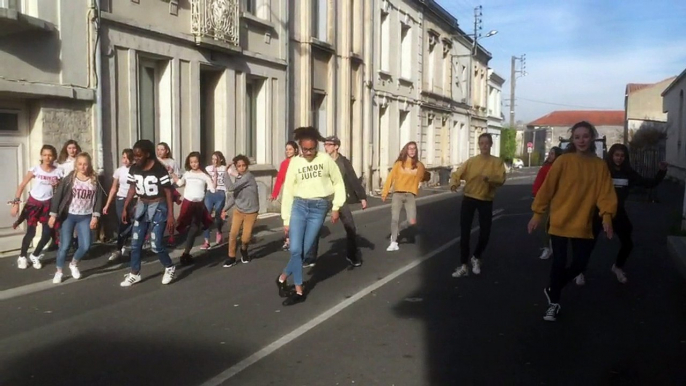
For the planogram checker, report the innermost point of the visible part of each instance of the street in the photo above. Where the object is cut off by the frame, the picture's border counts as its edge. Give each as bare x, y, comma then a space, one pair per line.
400, 319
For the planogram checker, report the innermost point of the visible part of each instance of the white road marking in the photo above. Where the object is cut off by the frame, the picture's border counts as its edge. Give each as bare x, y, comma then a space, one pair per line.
284, 340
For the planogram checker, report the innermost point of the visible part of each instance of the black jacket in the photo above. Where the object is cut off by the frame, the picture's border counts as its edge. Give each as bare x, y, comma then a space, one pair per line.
59, 205
353, 188
624, 180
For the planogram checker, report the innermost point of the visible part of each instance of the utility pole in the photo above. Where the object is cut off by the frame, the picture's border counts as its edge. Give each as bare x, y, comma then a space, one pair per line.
513, 80
478, 26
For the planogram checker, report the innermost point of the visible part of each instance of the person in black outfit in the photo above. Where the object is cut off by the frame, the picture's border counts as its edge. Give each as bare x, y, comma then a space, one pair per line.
624, 178
355, 195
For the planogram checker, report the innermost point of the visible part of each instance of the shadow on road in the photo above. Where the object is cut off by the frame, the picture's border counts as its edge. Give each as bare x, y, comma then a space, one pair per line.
110, 360
488, 329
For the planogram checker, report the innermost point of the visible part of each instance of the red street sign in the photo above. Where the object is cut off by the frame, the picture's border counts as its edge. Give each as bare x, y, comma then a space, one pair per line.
529, 144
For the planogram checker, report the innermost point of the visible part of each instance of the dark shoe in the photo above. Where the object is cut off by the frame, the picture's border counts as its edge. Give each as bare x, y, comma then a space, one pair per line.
284, 291
229, 263
355, 262
309, 263
245, 258
294, 299
187, 259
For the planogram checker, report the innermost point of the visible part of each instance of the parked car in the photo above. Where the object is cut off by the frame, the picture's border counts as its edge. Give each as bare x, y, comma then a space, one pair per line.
517, 163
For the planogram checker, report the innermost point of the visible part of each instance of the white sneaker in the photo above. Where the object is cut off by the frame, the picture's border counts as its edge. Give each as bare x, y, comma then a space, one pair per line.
116, 255
546, 253
35, 260
168, 274
75, 273
393, 247
476, 265
461, 271
22, 263
621, 276
130, 279
580, 280
58, 278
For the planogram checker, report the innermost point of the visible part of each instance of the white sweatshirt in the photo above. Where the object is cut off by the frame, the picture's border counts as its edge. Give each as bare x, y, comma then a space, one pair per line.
196, 183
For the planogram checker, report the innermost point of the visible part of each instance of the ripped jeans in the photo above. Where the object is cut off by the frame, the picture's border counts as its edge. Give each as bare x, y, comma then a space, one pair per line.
145, 215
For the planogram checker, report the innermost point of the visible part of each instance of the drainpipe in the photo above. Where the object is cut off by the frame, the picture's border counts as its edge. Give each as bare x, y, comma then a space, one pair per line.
95, 8
369, 70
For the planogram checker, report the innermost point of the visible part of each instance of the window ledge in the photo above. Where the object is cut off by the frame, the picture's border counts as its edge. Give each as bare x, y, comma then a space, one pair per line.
405, 80
356, 56
252, 19
262, 167
322, 44
385, 74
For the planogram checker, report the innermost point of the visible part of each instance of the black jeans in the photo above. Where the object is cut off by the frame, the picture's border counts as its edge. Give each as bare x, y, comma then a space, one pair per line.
469, 207
46, 234
560, 274
346, 217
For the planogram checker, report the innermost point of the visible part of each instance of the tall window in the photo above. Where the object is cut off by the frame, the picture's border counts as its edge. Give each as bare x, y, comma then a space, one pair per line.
680, 117
404, 121
319, 118
432, 66
406, 48
445, 70
385, 43
254, 120
320, 19
250, 6
147, 100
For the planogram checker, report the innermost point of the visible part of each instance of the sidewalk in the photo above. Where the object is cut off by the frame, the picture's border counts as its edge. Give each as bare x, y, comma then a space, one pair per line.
268, 230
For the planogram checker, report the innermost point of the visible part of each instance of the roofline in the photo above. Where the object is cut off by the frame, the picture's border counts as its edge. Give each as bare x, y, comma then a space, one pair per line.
440, 12
497, 77
674, 82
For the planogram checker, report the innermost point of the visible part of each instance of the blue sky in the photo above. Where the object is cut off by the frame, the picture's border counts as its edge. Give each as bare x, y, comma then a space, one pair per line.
580, 54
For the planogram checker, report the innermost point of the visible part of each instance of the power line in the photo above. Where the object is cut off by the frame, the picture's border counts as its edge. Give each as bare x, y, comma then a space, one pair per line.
564, 104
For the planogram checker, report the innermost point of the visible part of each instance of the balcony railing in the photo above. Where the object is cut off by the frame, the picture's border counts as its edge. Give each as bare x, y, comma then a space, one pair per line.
217, 20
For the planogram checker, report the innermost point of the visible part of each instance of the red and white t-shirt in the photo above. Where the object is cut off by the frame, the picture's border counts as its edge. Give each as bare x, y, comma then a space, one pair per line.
44, 182
82, 197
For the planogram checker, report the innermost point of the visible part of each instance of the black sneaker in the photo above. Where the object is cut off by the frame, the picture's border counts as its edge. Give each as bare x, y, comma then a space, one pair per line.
551, 313
187, 259
284, 291
355, 262
229, 263
309, 263
245, 258
294, 299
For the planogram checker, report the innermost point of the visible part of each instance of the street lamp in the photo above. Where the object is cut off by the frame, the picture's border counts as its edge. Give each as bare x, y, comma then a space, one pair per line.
491, 33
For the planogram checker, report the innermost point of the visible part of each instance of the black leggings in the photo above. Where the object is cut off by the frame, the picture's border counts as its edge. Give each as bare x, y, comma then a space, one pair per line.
469, 207
46, 234
560, 274
622, 228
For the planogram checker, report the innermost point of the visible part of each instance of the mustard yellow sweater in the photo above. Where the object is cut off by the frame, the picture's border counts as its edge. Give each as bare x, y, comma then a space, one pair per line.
473, 172
575, 185
403, 178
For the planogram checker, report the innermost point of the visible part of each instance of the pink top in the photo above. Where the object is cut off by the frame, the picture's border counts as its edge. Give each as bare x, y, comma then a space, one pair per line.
83, 197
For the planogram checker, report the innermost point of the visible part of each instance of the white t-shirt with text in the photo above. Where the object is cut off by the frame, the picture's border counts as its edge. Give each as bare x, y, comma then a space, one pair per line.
196, 183
43, 184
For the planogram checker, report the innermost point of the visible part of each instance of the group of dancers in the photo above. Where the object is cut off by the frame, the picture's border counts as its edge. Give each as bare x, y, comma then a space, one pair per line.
576, 196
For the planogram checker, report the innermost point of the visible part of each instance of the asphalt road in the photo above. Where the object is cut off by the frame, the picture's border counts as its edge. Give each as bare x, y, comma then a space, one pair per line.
400, 319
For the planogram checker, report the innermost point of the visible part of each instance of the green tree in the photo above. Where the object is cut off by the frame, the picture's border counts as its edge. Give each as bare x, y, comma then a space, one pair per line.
508, 144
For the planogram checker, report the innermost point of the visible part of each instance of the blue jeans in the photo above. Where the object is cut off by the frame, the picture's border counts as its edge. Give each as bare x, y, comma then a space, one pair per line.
215, 202
148, 214
124, 229
307, 218
82, 224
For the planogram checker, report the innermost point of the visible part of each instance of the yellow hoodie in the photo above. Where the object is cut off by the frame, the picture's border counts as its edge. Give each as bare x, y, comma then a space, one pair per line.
473, 172
320, 178
575, 185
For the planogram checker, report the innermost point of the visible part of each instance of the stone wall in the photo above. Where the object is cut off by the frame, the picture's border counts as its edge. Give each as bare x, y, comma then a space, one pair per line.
63, 120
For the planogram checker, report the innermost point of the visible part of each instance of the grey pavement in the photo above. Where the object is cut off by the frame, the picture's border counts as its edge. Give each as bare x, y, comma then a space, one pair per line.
400, 319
